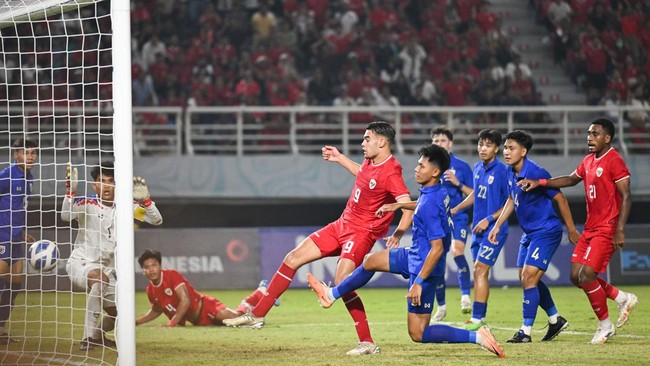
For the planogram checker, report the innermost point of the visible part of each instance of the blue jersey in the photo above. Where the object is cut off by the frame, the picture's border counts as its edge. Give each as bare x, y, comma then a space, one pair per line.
464, 174
534, 208
490, 192
15, 187
430, 222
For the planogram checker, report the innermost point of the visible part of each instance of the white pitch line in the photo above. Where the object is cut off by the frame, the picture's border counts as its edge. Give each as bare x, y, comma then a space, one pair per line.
62, 361
459, 325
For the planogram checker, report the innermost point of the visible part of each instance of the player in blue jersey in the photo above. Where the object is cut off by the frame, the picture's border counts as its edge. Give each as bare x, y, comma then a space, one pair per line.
543, 233
458, 182
423, 263
489, 197
15, 188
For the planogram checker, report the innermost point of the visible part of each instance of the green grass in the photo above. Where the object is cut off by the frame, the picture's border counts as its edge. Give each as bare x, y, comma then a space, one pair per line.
299, 332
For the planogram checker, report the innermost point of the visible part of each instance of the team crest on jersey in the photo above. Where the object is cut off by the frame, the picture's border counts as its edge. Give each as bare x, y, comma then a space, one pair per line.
490, 179
2, 249
168, 291
599, 172
373, 184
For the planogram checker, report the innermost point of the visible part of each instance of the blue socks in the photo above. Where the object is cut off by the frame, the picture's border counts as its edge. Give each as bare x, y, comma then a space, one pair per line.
479, 309
440, 333
355, 280
441, 289
463, 274
529, 305
546, 300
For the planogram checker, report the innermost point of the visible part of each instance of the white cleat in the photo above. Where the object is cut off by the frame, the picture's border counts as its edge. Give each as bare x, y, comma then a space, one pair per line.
247, 320
439, 315
603, 334
465, 305
364, 348
625, 309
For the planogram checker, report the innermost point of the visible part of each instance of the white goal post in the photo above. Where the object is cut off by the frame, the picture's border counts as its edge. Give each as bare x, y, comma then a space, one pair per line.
65, 82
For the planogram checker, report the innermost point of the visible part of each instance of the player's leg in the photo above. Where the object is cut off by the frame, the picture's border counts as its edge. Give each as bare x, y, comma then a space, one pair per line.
626, 301
12, 272
5, 295
458, 252
249, 303
590, 257
441, 289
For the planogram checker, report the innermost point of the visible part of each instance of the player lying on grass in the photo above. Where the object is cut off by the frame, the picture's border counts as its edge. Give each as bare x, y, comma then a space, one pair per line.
423, 263
170, 293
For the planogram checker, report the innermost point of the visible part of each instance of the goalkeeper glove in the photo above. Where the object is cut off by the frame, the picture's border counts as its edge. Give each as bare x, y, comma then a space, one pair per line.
141, 191
71, 179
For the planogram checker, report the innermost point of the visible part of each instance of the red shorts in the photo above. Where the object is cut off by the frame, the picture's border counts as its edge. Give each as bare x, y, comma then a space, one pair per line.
210, 311
594, 249
343, 240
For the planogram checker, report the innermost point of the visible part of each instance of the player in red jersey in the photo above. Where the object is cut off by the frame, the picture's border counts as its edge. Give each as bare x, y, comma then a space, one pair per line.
378, 181
170, 293
607, 189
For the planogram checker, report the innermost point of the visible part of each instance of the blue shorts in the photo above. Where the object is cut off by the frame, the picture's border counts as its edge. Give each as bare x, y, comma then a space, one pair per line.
461, 228
486, 252
399, 264
538, 248
12, 251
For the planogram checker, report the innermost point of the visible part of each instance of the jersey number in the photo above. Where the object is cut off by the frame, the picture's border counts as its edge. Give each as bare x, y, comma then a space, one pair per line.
170, 308
347, 247
487, 252
535, 254
592, 191
516, 200
357, 193
482, 192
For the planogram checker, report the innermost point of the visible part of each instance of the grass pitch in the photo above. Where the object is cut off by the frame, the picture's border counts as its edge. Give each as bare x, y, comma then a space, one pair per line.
299, 332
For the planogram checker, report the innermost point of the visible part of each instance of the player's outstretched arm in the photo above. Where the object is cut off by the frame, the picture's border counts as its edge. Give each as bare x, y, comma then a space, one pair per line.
183, 306
330, 153
143, 198
467, 202
565, 212
404, 224
506, 211
623, 188
152, 314
71, 182
392, 207
557, 182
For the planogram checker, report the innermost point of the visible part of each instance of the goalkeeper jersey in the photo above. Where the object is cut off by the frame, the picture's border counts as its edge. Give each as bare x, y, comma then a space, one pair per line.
95, 242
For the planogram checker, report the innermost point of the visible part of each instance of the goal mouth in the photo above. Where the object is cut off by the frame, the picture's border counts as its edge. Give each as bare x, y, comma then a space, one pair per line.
20, 11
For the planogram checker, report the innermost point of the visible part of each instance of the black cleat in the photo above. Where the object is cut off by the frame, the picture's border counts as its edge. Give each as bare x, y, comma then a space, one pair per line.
555, 329
103, 342
520, 337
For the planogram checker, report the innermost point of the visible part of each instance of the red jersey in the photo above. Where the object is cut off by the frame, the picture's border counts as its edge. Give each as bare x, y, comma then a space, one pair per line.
374, 186
164, 295
600, 176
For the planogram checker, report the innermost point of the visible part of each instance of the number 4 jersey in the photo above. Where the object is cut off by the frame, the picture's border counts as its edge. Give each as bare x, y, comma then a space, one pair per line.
600, 176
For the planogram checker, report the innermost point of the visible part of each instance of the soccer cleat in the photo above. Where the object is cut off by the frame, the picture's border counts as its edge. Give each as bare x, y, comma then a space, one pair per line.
603, 334
465, 305
555, 329
247, 320
103, 342
470, 325
439, 315
520, 337
321, 291
86, 344
489, 342
626, 309
364, 348
262, 287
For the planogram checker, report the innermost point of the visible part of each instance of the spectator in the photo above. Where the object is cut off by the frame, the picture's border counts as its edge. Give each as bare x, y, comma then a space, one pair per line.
412, 57
150, 49
263, 22
144, 93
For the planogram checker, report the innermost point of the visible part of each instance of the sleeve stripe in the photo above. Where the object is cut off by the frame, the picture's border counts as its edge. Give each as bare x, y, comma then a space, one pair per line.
578, 175
402, 195
622, 178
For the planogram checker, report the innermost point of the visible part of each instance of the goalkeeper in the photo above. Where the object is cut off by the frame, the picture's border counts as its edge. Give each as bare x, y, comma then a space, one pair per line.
91, 266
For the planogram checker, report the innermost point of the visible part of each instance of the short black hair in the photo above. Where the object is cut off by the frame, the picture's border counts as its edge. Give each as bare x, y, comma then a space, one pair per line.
442, 130
606, 124
106, 168
382, 128
522, 137
148, 254
436, 155
24, 143
493, 136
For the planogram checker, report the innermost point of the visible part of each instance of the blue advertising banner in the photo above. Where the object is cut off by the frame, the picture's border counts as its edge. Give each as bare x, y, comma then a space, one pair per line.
275, 243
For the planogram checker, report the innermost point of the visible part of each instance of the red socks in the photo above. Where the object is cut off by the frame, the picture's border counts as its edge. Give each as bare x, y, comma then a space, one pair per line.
610, 290
358, 313
279, 283
597, 298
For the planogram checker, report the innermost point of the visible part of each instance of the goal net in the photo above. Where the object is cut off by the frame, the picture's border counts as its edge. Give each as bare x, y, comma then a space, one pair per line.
56, 89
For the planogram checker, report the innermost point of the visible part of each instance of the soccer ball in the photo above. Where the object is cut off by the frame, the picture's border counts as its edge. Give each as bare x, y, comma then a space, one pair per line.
43, 255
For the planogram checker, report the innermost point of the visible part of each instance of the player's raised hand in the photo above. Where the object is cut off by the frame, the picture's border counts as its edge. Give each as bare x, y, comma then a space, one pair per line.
450, 176
574, 236
492, 236
389, 207
481, 226
528, 184
71, 178
140, 190
330, 153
